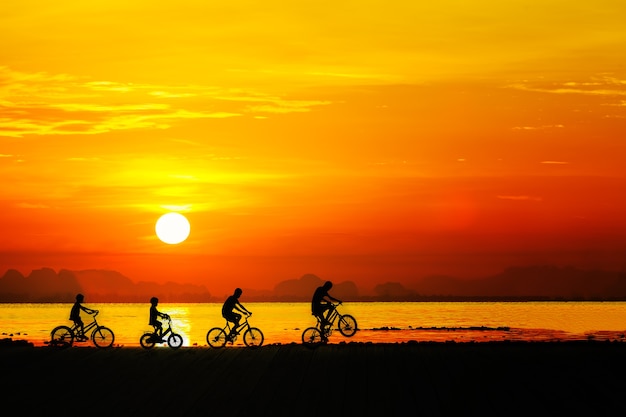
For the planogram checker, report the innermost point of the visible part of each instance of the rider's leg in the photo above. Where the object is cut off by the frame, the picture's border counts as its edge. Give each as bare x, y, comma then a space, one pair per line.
155, 330
325, 315
81, 328
235, 328
323, 322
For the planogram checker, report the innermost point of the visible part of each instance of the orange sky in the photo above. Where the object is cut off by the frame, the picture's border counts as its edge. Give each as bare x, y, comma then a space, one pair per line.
369, 141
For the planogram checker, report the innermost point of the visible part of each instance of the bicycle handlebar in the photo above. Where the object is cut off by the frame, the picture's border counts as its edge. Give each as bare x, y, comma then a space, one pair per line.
333, 304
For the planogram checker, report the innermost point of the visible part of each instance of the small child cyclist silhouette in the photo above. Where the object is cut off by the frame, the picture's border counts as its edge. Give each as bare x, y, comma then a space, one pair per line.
75, 315
154, 317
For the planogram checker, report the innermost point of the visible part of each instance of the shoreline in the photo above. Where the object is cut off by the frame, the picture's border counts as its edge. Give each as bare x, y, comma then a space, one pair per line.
473, 334
23, 343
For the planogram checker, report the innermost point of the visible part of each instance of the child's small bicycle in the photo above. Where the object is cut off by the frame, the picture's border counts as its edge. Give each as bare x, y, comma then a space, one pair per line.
64, 336
252, 336
149, 339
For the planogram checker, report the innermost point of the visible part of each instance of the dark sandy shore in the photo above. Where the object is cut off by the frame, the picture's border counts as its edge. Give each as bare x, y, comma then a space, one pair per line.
354, 379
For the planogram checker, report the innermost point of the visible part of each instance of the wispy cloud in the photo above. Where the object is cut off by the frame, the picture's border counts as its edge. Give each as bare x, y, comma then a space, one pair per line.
554, 162
286, 106
31, 206
603, 85
81, 159
519, 197
49, 104
542, 127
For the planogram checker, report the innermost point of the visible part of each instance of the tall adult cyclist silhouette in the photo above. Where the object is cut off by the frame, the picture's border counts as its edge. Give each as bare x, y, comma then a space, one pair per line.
229, 307
321, 303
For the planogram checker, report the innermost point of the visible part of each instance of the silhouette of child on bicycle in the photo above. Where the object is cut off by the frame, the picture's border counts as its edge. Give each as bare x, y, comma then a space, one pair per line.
321, 303
75, 315
229, 307
154, 317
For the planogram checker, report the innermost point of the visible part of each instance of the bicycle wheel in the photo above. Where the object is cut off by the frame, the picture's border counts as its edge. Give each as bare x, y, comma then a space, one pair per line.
216, 337
103, 337
175, 341
347, 325
311, 336
61, 336
147, 341
253, 337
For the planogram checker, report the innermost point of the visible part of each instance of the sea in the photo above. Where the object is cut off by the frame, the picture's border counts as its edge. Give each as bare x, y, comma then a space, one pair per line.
377, 322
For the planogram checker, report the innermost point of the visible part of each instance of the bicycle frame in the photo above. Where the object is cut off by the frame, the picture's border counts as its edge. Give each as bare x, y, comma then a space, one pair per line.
345, 324
331, 317
166, 331
86, 328
101, 336
173, 340
242, 325
217, 337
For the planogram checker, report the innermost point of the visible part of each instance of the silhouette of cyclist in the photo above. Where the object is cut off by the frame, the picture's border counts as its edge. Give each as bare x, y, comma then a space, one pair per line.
321, 303
75, 315
231, 305
154, 317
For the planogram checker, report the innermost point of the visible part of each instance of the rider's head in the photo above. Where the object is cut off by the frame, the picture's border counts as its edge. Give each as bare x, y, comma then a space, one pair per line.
154, 301
80, 298
238, 292
328, 285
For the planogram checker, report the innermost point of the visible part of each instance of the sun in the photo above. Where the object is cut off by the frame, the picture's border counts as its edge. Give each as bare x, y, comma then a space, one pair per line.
172, 228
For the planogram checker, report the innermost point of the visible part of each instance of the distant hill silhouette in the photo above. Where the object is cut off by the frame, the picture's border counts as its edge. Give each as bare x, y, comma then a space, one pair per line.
516, 283
302, 289
531, 282
45, 285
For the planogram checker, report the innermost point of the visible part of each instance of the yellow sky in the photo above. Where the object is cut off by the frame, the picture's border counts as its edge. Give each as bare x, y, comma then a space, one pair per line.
370, 130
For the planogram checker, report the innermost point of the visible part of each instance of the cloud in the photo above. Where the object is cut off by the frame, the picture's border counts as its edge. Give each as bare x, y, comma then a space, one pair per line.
554, 162
49, 104
286, 107
31, 206
603, 85
519, 198
543, 127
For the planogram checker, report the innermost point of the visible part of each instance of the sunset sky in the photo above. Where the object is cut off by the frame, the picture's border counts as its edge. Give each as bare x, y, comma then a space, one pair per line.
370, 141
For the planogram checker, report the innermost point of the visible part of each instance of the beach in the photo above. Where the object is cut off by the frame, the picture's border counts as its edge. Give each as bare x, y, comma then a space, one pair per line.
368, 379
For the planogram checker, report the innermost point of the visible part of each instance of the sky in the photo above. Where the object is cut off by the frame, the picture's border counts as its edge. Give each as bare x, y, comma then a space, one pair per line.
371, 141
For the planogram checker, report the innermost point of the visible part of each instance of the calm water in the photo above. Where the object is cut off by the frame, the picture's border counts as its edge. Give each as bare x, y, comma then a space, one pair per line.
378, 322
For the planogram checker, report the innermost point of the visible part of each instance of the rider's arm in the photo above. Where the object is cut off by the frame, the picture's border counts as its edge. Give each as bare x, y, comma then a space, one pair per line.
87, 310
334, 299
241, 308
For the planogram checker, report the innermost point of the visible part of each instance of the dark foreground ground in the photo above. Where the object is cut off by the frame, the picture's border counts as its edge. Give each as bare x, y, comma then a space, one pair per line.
412, 379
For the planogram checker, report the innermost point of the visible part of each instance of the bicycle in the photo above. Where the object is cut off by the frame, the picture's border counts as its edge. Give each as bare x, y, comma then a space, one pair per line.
252, 336
346, 324
149, 339
101, 336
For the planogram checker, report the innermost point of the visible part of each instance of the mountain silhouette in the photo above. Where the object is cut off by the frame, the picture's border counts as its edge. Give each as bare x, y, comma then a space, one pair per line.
302, 289
548, 282
45, 285
516, 283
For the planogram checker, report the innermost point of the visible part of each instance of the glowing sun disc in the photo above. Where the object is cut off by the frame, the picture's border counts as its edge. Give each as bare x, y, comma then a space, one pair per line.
172, 228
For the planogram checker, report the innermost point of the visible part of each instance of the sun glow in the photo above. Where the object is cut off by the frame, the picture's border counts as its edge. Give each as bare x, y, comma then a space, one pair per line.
172, 228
